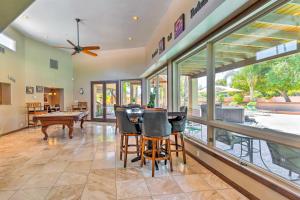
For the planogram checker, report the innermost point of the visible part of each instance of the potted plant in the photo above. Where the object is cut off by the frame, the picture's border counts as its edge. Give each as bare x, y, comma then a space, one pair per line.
152, 97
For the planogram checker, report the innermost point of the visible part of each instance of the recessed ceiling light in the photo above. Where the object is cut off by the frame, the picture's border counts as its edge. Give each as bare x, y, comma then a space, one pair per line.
135, 18
130, 38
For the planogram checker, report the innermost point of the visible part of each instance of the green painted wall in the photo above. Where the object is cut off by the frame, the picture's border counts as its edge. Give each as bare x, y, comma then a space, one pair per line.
29, 66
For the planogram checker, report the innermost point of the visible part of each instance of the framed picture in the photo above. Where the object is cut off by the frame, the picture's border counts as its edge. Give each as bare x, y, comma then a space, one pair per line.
161, 45
29, 90
179, 26
39, 89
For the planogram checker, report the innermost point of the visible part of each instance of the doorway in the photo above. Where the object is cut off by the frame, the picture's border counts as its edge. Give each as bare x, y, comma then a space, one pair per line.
104, 95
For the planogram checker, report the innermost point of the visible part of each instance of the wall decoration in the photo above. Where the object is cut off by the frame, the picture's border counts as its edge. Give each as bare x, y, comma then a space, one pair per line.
170, 36
161, 45
154, 53
81, 91
179, 26
199, 6
29, 90
39, 89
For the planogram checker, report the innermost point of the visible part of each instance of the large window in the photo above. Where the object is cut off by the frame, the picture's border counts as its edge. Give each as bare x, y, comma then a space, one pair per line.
7, 42
252, 77
193, 91
262, 87
158, 89
131, 92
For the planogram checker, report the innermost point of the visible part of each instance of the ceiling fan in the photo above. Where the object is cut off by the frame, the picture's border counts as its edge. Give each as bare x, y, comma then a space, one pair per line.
77, 48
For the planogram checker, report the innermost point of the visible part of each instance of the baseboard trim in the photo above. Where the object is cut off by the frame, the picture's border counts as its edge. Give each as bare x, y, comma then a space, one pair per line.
288, 194
14, 131
224, 178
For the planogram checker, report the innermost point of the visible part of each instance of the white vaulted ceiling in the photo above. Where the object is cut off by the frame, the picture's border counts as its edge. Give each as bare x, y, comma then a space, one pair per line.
107, 23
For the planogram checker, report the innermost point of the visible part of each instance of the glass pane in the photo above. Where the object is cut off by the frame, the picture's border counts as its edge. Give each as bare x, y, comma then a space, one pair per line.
111, 99
163, 89
262, 89
153, 91
131, 92
279, 159
192, 84
196, 131
98, 100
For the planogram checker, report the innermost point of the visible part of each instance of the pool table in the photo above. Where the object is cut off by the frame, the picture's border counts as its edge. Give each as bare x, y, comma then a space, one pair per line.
64, 118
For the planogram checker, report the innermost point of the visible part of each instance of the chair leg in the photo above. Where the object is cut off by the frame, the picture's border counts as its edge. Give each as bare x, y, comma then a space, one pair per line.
153, 157
126, 151
116, 127
166, 150
170, 156
176, 145
121, 146
183, 148
137, 146
142, 151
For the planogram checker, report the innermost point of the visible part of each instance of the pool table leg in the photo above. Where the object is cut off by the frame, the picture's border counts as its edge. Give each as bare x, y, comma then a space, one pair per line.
81, 123
44, 130
70, 126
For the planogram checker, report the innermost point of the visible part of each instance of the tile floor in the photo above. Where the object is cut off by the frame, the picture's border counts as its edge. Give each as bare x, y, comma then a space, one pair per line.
88, 167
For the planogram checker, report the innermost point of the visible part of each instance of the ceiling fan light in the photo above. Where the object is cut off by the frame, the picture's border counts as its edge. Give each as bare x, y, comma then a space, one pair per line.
129, 38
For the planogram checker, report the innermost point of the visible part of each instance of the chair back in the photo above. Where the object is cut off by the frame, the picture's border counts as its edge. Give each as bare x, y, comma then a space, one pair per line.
156, 124
284, 156
183, 109
134, 105
124, 124
179, 123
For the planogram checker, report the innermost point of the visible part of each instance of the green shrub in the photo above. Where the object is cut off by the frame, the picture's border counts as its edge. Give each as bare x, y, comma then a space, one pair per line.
238, 98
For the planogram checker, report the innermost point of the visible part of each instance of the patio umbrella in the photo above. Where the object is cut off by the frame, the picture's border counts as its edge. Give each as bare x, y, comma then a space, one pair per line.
222, 89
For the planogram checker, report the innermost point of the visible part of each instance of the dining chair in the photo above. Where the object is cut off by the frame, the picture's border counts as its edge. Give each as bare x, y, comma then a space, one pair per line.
156, 128
127, 129
178, 127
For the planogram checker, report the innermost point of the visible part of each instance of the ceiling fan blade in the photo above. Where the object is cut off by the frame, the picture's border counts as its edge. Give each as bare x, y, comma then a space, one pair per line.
91, 48
71, 43
63, 47
89, 53
74, 53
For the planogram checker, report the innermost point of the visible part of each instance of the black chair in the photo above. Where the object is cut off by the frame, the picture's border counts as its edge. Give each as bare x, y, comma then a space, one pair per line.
178, 127
286, 157
156, 129
126, 129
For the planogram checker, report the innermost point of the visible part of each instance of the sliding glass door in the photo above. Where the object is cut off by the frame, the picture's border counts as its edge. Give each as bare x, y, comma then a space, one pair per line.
103, 97
131, 92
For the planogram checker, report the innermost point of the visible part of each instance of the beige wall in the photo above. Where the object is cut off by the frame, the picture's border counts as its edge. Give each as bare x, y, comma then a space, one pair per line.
109, 65
38, 72
29, 65
12, 64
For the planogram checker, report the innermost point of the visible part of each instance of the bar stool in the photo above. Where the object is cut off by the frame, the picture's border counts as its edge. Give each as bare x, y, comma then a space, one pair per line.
156, 129
115, 110
178, 127
126, 129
